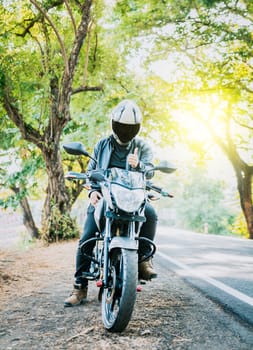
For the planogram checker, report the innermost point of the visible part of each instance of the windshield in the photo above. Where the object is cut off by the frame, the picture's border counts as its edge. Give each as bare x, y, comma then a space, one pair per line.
126, 178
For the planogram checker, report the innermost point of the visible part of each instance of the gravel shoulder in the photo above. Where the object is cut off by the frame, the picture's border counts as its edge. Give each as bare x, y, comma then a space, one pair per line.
169, 313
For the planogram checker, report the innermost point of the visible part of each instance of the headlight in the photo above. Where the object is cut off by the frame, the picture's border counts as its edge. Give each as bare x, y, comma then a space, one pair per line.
126, 199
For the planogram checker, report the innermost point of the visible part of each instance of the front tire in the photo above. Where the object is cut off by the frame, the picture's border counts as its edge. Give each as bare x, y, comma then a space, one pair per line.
119, 298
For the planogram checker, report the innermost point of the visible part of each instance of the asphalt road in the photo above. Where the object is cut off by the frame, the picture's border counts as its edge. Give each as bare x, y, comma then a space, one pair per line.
222, 267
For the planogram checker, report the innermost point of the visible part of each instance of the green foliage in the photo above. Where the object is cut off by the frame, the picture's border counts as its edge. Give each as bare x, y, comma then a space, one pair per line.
9, 134
239, 226
13, 201
202, 203
21, 180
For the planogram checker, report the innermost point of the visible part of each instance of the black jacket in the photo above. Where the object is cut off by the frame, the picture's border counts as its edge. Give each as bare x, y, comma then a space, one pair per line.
104, 148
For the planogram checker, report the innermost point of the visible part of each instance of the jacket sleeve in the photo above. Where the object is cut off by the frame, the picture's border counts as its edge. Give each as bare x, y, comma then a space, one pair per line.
92, 166
145, 154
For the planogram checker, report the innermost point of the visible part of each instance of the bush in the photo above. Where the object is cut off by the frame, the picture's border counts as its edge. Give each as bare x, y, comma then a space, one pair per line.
59, 227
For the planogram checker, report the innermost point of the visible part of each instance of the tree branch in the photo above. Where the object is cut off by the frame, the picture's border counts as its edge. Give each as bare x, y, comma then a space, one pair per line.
71, 16
63, 50
86, 88
67, 79
244, 87
31, 22
27, 131
9, 104
80, 36
86, 62
243, 125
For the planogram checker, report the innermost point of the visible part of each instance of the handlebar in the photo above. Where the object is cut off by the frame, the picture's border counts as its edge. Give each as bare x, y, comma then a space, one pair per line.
94, 175
98, 175
151, 186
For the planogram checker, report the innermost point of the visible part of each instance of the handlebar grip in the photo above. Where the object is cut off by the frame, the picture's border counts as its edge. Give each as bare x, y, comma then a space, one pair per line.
167, 194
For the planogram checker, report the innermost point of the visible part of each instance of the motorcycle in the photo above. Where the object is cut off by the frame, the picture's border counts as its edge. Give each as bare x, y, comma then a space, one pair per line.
119, 216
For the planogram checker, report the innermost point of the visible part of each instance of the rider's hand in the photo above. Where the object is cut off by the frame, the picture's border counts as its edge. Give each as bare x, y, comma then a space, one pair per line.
95, 197
133, 158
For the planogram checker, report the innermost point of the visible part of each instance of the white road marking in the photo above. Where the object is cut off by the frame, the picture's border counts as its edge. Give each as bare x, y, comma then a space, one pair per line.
235, 293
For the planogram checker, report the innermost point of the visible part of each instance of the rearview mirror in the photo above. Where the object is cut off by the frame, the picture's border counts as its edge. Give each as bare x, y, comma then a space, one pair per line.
165, 167
76, 148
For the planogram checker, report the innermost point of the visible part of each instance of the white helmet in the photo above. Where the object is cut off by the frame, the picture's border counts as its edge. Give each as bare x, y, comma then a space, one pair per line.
126, 121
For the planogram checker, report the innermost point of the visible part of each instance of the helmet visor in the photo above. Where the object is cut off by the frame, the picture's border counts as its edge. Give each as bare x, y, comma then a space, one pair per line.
125, 132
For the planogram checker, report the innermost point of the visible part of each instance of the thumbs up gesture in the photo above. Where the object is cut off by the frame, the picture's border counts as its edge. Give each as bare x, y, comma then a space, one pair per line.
133, 158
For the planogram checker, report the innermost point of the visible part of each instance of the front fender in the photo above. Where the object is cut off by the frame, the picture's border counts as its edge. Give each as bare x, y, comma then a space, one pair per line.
123, 242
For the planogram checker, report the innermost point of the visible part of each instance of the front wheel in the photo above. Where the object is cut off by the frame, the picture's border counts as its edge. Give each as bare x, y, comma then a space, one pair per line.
119, 298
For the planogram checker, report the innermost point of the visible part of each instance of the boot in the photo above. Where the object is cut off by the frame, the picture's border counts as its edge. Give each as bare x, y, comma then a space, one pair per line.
78, 295
146, 270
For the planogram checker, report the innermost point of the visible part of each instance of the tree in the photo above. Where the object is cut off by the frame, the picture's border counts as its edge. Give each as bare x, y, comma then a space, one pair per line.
225, 83
209, 43
57, 61
36, 82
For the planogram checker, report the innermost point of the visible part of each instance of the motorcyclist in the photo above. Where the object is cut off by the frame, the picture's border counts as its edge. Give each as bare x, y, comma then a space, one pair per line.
114, 151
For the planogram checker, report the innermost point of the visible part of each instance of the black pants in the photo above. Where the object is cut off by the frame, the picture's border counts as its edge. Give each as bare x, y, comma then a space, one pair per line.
148, 230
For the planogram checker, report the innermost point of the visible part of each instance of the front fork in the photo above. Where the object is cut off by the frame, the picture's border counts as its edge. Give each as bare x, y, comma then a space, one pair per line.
107, 241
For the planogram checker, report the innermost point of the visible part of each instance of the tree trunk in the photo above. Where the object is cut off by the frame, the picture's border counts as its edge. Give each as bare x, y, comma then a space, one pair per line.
28, 220
56, 221
243, 173
56, 190
244, 183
